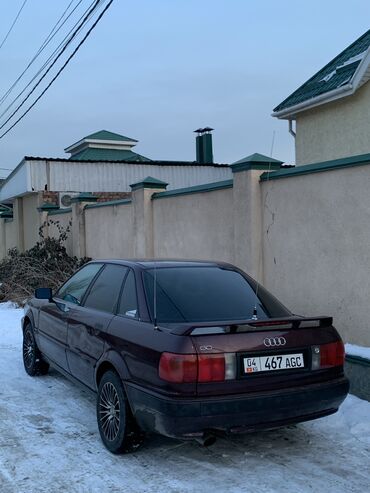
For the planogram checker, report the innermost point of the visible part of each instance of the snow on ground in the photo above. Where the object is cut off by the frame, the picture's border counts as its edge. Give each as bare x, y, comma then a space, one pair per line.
353, 350
49, 442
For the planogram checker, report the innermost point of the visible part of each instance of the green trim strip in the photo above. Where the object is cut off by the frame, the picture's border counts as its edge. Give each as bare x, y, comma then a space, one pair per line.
357, 360
48, 207
307, 169
67, 210
208, 187
84, 197
236, 168
109, 203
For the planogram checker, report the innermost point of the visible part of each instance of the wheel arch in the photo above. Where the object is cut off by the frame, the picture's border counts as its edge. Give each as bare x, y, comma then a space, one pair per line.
28, 318
111, 361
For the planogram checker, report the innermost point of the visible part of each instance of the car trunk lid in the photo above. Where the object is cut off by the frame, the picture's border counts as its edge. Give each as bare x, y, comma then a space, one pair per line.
261, 355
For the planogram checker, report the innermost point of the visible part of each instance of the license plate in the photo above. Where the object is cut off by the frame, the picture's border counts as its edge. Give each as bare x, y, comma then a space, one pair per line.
271, 363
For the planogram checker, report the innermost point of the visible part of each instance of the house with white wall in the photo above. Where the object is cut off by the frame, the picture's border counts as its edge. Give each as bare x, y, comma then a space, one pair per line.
104, 164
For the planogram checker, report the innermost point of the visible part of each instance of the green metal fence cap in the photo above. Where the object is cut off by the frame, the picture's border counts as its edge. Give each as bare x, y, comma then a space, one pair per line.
256, 161
6, 215
149, 182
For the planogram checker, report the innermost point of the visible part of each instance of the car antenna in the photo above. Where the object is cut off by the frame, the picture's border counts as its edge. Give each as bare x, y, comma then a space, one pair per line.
254, 316
155, 297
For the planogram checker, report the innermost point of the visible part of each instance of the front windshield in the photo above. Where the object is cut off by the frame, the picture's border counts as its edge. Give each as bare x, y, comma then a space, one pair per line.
202, 294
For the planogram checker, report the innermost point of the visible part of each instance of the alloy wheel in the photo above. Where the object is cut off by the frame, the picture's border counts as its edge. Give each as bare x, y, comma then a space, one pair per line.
109, 411
28, 349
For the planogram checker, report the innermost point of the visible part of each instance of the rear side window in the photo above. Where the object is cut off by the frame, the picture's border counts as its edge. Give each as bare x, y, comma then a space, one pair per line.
104, 293
75, 288
128, 303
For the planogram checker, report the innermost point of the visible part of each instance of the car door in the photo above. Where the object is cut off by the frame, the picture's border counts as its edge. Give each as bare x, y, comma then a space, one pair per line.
88, 324
136, 341
51, 332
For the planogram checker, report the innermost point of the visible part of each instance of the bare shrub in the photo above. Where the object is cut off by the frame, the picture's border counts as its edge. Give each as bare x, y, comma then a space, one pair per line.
47, 264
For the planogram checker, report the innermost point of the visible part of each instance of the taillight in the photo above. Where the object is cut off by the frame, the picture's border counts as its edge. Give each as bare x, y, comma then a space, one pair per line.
178, 368
211, 368
328, 355
332, 354
182, 368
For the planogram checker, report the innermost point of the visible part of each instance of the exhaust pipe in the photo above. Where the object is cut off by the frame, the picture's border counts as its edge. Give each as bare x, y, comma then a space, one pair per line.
206, 440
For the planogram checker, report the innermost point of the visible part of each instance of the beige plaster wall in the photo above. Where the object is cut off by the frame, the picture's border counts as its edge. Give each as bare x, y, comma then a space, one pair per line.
10, 235
64, 222
316, 241
198, 226
109, 231
31, 220
334, 130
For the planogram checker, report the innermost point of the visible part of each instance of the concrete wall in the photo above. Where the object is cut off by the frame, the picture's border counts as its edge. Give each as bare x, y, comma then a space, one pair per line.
109, 231
334, 130
305, 237
316, 244
198, 225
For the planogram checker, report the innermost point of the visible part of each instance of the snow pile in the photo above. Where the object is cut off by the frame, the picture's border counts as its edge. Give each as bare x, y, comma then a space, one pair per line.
353, 350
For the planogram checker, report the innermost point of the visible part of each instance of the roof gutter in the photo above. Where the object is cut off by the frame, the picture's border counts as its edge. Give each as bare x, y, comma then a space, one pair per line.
290, 113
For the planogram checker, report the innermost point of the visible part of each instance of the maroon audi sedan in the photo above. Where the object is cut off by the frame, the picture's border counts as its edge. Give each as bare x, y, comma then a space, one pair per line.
187, 349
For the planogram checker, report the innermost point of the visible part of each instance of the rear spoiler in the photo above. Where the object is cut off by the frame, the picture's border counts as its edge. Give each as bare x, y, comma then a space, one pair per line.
237, 326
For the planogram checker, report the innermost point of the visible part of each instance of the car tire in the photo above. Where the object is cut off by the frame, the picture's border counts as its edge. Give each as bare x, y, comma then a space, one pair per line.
117, 427
34, 364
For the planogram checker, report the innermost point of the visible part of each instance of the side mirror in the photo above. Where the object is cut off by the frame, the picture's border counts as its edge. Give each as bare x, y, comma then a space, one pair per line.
44, 294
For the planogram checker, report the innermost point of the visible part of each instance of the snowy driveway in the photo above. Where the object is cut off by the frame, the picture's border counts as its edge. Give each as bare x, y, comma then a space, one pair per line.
49, 442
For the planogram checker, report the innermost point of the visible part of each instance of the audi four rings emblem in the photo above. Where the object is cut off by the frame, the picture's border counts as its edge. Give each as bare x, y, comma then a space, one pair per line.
274, 341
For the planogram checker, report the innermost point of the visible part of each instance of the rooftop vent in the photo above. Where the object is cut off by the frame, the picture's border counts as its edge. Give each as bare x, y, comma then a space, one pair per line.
204, 145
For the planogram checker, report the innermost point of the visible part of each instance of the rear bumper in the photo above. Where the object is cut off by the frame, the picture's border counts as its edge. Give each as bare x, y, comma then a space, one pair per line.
234, 414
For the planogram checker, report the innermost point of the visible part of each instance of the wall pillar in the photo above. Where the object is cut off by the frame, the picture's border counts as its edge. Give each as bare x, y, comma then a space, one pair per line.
143, 215
18, 220
248, 233
5, 214
2, 239
78, 223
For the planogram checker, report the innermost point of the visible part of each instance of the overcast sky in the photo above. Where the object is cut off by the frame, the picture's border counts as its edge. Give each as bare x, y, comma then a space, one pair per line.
156, 70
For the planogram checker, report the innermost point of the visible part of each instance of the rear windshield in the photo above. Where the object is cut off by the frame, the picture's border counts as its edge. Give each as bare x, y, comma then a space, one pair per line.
202, 294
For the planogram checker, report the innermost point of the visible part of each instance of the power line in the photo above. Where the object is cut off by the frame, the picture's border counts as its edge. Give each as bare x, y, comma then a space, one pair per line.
56, 53
13, 24
60, 70
48, 39
74, 34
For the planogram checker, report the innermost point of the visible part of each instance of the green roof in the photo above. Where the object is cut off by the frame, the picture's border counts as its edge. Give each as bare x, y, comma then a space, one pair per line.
93, 154
337, 73
106, 135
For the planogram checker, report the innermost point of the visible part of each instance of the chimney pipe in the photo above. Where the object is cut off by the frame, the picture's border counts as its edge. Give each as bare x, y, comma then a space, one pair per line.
204, 148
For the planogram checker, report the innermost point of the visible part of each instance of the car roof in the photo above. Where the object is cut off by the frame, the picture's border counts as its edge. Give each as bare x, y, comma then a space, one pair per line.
162, 263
